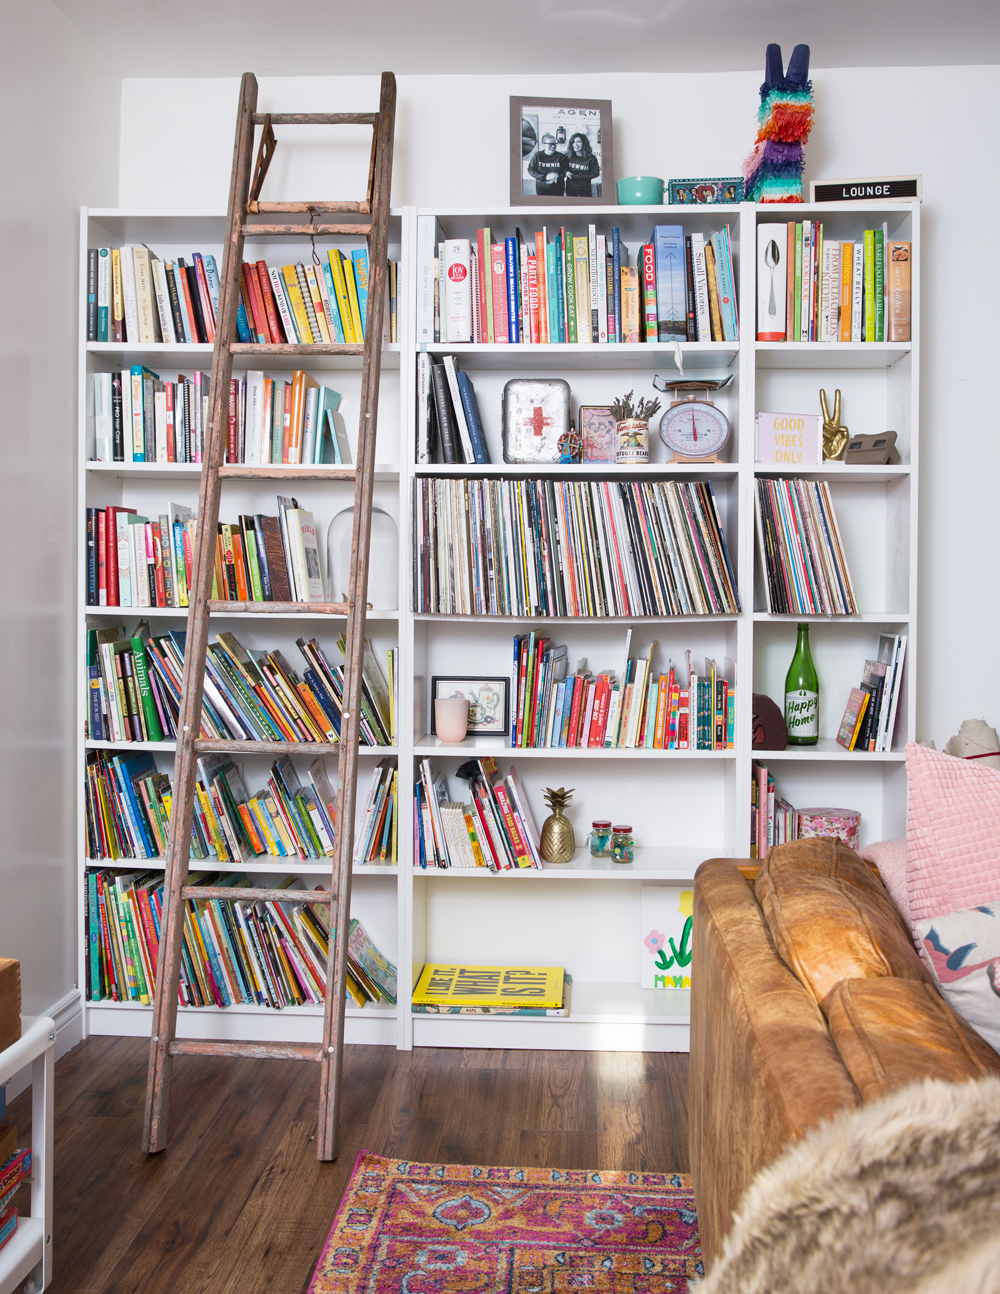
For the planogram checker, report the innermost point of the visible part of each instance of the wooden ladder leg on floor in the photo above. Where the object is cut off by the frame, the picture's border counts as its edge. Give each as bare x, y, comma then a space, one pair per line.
164, 1044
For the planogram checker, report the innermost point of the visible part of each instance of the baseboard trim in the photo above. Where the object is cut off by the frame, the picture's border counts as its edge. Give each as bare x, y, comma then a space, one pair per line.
68, 1015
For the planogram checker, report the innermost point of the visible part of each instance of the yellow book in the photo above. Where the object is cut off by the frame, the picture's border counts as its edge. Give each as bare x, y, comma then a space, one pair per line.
504, 986
117, 332
340, 289
352, 297
261, 820
317, 301
281, 827
296, 304
214, 831
581, 274
630, 303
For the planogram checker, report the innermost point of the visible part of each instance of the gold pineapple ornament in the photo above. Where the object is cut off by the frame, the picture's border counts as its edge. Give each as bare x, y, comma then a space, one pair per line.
558, 842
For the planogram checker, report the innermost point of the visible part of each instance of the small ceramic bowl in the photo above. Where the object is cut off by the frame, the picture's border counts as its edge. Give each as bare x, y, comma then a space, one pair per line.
640, 191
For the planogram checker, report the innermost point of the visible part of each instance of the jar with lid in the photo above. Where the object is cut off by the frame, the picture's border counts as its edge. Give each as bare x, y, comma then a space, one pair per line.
622, 845
599, 839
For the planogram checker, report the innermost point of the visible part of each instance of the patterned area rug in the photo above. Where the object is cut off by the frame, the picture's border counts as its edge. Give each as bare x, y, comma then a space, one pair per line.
405, 1228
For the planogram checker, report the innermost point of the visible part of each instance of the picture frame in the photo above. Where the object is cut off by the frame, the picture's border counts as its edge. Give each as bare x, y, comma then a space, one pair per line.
581, 175
720, 190
489, 701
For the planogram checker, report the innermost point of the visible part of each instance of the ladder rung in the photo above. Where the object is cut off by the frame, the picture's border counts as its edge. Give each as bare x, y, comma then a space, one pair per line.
286, 348
316, 118
220, 607
209, 746
288, 471
305, 208
302, 230
255, 896
255, 1050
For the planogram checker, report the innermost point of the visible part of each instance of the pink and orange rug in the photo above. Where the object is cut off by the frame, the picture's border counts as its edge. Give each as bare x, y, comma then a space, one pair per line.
405, 1228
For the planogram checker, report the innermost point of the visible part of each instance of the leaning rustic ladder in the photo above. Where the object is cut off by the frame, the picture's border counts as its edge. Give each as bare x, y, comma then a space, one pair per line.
371, 218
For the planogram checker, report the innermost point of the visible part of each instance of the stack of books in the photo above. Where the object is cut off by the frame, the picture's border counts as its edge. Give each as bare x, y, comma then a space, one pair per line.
449, 428
570, 548
134, 296
870, 714
129, 801
14, 1168
574, 289
801, 551
494, 830
773, 821
134, 687
492, 990
377, 839
638, 709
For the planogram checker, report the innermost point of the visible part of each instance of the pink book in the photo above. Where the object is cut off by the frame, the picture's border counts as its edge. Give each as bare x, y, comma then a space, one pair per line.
498, 264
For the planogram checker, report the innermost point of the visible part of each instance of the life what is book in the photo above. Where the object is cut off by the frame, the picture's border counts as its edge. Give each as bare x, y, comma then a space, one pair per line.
497, 986
790, 439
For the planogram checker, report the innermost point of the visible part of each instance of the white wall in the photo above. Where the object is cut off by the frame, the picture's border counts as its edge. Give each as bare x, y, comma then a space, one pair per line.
60, 105
452, 149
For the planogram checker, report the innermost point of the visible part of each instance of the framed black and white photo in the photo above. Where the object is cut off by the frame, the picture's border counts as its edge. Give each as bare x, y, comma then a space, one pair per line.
489, 701
560, 152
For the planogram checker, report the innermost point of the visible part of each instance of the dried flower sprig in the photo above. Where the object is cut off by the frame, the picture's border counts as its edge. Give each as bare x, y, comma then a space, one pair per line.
623, 409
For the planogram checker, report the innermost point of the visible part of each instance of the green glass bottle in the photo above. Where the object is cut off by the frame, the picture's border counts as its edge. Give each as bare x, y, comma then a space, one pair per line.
802, 695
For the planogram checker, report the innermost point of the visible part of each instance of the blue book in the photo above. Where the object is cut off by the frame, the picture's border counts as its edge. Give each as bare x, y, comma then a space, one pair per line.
471, 406
671, 287
242, 325
513, 274
561, 285
418, 826
727, 288
103, 254
126, 770
97, 732
360, 258
616, 252
334, 304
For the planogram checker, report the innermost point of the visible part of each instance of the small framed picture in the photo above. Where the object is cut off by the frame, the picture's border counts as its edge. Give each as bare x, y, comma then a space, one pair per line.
560, 152
489, 701
597, 428
724, 189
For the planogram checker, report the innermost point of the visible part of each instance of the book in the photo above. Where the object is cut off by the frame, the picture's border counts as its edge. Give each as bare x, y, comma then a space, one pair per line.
434, 1008
671, 291
439, 984
457, 313
800, 549
854, 712
899, 289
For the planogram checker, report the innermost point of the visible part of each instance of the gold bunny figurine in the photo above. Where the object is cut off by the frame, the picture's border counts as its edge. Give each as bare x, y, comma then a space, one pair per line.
835, 436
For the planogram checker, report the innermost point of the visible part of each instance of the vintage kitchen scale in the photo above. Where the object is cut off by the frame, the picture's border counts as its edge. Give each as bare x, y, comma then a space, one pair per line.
692, 428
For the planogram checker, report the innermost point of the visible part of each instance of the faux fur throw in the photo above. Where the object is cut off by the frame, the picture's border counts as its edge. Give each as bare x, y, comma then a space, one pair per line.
899, 1195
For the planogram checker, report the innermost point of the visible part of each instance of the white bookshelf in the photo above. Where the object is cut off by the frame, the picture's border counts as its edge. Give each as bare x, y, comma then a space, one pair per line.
684, 806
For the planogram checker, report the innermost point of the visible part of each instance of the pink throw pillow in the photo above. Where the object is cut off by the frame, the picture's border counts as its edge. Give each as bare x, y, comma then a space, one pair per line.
889, 856
952, 833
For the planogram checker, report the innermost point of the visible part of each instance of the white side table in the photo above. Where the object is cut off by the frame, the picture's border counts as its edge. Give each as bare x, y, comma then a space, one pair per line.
29, 1250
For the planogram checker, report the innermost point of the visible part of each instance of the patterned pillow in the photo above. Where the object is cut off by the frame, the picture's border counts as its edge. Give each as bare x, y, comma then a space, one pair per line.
963, 951
952, 834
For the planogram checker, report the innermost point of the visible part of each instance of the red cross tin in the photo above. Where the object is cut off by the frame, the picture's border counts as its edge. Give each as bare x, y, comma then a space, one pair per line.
536, 413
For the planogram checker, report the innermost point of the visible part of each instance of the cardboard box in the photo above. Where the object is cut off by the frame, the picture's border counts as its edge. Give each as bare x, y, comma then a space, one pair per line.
10, 1002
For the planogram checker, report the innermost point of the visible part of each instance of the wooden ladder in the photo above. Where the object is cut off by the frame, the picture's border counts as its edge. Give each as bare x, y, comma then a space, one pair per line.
370, 218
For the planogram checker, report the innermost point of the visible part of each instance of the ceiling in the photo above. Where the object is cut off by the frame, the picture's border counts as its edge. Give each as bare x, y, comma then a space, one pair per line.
149, 38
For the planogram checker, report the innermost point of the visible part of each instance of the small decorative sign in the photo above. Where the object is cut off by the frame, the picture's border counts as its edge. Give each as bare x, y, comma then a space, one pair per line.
789, 439
895, 187
725, 189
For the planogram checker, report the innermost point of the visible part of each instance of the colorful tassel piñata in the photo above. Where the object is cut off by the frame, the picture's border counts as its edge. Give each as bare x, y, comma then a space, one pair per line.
773, 171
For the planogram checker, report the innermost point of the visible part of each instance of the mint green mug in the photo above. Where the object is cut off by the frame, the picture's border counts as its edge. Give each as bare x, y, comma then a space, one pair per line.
640, 191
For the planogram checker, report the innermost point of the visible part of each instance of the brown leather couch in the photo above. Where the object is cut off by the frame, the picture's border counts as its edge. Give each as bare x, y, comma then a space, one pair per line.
808, 996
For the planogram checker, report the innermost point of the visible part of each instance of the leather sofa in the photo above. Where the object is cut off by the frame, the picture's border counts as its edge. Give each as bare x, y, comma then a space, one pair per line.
808, 995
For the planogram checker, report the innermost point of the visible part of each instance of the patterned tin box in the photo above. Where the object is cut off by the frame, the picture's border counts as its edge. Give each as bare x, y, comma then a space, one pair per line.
535, 418
845, 823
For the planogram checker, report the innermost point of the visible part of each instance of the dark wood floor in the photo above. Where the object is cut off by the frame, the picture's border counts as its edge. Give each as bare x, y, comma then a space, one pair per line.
238, 1202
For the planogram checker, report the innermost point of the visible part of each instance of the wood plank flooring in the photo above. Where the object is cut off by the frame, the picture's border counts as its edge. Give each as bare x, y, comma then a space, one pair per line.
238, 1201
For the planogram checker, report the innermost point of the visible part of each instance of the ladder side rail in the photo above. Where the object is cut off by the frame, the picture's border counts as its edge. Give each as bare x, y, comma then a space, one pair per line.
189, 721
332, 1059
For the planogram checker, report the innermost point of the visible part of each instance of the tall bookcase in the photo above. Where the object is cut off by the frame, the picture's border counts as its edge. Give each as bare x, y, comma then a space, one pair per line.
685, 806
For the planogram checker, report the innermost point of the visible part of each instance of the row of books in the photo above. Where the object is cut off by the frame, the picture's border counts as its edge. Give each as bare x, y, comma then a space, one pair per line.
814, 288
800, 548
638, 709
15, 1168
870, 714
129, 803
495, 829
452, 989
233, 953
137, 418
574, 289
570, 548
376, 841
135, 296
138, 561
773, 821
449, 427
134, 689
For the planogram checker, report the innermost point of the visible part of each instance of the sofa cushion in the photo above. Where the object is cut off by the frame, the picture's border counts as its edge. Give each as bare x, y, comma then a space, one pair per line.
891, 1032
830, 919
889, 856
963, 951
952, 833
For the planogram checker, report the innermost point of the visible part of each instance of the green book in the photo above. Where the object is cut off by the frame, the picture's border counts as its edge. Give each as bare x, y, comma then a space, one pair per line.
870, 333
278, 420
797, 320
570, 271
154, 729
879, 285
250, 544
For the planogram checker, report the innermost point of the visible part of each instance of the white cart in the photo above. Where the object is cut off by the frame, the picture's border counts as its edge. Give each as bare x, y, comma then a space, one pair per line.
29, 1250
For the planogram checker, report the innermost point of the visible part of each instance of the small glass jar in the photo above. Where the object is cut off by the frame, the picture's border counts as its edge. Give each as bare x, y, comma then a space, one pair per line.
622, 845
599, 839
